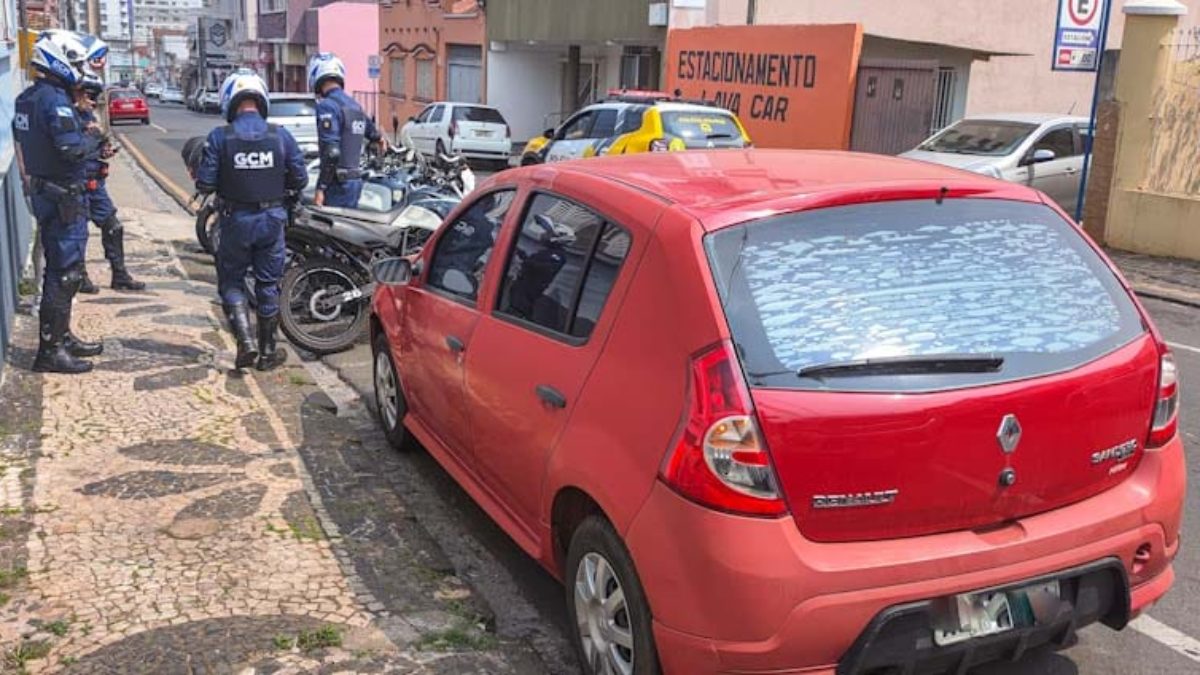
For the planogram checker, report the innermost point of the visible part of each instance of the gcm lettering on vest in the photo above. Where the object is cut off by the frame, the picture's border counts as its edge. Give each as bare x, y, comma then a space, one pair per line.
264, 159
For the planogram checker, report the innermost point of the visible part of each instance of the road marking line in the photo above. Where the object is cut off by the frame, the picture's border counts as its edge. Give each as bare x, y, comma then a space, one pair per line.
1186, 348
158, 127
1161, 632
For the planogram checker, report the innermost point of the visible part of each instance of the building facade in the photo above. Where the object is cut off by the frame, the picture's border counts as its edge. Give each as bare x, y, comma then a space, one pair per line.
431, 50
16, 225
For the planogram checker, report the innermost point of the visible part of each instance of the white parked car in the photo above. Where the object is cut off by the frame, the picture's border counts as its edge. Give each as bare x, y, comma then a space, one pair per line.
298, 114
1044, 151
171, 95
153, 89
474, 131
210, 102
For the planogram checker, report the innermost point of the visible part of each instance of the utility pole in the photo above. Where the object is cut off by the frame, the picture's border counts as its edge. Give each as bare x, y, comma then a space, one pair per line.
93, 17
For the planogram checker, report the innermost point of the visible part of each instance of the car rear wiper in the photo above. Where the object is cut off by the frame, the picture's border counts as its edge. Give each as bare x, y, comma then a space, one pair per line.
719, 135
928, 364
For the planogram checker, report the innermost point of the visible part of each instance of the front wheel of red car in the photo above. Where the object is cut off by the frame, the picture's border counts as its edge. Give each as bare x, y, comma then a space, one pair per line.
389, 397
610, 618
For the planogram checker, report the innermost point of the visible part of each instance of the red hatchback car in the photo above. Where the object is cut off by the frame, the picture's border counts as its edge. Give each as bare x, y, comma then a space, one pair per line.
127, 104
792, 412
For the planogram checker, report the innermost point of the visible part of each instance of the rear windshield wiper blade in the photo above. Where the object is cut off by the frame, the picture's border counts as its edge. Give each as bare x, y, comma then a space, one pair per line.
929, 364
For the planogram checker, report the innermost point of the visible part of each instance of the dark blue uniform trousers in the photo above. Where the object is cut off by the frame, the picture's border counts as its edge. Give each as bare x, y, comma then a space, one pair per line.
344, 194
252, 238
63, 231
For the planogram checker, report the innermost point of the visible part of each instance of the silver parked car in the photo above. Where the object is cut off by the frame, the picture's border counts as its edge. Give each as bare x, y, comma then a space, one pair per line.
298, 114
1043, 151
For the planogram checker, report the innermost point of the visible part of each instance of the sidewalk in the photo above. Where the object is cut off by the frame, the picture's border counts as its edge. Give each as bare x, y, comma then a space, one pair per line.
165, 515
1169, 279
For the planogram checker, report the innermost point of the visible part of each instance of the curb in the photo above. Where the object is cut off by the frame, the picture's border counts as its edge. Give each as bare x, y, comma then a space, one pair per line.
177, 193
1165, 294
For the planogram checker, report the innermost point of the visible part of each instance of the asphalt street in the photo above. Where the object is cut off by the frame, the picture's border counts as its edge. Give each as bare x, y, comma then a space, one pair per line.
528, 603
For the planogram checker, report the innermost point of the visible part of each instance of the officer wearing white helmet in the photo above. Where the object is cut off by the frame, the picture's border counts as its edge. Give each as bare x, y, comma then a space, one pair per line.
254, 167
341, 128
53, 149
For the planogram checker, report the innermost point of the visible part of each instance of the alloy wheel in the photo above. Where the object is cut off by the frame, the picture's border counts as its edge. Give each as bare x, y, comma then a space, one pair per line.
386, 392
603, 617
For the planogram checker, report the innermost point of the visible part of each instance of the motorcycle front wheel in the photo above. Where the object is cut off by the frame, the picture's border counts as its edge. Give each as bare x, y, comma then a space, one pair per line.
206, 228
303, 314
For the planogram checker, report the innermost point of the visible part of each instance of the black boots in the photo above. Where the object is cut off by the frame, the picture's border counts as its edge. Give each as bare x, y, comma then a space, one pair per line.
112, 237
87, 287
270, 356
57, 348
239, 322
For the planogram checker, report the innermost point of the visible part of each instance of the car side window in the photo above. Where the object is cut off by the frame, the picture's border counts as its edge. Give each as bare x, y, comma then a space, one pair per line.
464, 248
577, 128
605, 124
630, 119
435, 115
562, 266
1060, 141
424, 116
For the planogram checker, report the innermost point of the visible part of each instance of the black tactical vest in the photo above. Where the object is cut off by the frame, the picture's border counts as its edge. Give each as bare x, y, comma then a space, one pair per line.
252, 171
354, 127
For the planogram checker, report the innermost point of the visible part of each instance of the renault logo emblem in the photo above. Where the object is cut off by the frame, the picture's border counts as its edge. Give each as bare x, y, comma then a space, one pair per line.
1009, 434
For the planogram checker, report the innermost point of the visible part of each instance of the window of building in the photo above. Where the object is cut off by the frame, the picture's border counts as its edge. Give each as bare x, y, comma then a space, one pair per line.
426, 89
943, 99
398, 81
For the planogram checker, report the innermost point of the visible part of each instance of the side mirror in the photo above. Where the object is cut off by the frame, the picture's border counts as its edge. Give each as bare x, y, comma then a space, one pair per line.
412, 118
1040, 155
549, 133
392, 271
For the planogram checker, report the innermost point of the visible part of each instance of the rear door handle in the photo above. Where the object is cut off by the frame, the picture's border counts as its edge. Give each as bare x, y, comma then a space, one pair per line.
551, 396
455, 344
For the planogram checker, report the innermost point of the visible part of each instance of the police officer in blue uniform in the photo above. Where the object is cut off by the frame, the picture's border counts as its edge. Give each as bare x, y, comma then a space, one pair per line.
254, 167
52, 148
101, 209
341, 127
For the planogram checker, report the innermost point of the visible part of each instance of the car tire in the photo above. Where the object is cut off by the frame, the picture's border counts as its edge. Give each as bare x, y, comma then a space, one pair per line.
595, 542
530, 160
390, 404
146, 120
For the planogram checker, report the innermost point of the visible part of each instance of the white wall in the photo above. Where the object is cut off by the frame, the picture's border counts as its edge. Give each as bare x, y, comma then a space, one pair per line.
525, 86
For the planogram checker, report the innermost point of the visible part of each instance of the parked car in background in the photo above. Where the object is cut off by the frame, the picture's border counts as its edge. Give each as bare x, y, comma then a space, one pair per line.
153, 89
298, 114
193, 100
171, 95
210, 101
631, 122
1043, 151
127, 104
795, 403
474, 131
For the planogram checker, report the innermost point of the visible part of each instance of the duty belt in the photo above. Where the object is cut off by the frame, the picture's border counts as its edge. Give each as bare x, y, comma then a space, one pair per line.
253, 206
344, 175
55, 190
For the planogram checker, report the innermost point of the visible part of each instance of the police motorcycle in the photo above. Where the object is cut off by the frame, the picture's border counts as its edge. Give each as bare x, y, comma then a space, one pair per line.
325, 294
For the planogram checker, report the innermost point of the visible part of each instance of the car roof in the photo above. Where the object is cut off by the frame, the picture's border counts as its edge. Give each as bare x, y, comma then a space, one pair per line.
292, 95
461, 105
1029, 118
724, 187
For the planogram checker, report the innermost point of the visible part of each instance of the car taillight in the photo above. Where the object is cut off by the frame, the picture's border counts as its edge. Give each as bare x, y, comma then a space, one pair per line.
719, 459
1166, 406
659, 145
507, 131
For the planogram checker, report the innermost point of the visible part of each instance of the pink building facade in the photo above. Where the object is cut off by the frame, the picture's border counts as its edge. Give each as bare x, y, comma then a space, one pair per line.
351, 30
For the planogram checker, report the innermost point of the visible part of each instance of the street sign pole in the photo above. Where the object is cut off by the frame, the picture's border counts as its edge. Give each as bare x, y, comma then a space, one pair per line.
1091, 138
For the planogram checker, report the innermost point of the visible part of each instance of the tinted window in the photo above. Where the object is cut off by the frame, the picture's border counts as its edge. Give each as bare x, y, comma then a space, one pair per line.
601, 277
896, 279
630, 119
980, 137
435, 115
125, 94
1060, 141
424, 116
553, 259
700, 126
605, 124
464, 248
293, 108
473, 114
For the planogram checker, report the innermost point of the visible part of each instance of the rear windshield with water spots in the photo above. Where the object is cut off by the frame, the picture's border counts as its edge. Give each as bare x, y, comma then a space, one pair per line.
968, 277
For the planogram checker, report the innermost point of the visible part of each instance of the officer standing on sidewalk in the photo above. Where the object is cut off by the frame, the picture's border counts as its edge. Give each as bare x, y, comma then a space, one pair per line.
101, 209
52, 147
341, 127
252, 166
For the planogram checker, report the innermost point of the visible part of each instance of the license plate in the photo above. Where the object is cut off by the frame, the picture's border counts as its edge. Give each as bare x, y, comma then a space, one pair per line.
482, 134
973, 615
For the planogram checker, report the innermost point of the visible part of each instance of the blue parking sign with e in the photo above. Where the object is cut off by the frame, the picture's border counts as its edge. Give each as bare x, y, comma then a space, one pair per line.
1077, 35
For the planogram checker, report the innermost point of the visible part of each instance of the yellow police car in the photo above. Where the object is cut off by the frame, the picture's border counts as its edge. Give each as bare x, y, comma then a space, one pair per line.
630, 122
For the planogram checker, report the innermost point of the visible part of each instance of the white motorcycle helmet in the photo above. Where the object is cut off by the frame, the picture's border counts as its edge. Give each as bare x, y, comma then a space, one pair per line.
241, 84
59, 54
96, 52
322, 67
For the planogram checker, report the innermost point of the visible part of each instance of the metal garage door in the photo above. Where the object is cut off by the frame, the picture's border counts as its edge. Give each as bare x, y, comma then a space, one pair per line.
464, 75
893, 106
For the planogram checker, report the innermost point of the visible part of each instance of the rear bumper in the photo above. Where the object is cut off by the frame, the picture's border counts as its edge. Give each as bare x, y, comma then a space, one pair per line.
482, 149
129, 115
789, 605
